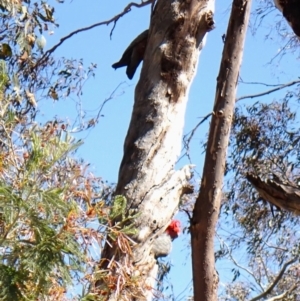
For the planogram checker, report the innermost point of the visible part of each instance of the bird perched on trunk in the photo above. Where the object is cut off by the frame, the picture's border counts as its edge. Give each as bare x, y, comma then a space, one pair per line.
162, 245
134, 54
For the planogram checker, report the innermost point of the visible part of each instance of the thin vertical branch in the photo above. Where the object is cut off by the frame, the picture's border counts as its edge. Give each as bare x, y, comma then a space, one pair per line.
207, 205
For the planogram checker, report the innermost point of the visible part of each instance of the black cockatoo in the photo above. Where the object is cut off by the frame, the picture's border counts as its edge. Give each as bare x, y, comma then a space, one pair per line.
133, 55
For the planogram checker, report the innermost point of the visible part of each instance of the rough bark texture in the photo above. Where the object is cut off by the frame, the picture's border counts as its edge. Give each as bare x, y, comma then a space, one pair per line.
147, 177
207, 205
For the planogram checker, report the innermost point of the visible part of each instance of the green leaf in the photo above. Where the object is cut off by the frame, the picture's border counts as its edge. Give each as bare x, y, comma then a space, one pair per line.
119, 207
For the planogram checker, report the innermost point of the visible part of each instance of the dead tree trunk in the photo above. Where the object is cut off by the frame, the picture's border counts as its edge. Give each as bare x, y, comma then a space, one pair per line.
207, 205
147, 177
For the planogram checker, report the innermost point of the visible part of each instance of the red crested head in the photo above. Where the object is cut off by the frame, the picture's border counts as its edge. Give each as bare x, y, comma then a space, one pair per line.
174, 228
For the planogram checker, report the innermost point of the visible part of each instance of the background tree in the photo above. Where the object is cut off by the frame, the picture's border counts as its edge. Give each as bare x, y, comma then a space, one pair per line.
263, 143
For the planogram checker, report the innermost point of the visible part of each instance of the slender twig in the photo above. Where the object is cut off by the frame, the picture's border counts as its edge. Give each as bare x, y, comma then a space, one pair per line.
238, 265
264, 268
192, 132
281, 51
281, 296
188, 137
188, 214
269, 91
184, 290
93, 121
275, 247
10, 227
241, 81
111, 96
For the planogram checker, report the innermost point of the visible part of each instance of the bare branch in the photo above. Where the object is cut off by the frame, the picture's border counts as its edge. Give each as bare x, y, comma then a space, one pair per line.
269, 91
188, 137
281, 52
237, 264
114, 20
110, 97
277, 279
265, 269
241, 81
275, 247
279, 297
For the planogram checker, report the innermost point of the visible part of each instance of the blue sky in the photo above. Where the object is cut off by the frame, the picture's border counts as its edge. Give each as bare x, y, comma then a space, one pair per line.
103, 146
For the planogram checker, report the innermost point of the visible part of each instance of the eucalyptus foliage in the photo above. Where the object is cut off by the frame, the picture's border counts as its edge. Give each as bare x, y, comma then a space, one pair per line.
264, 141
50, 202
